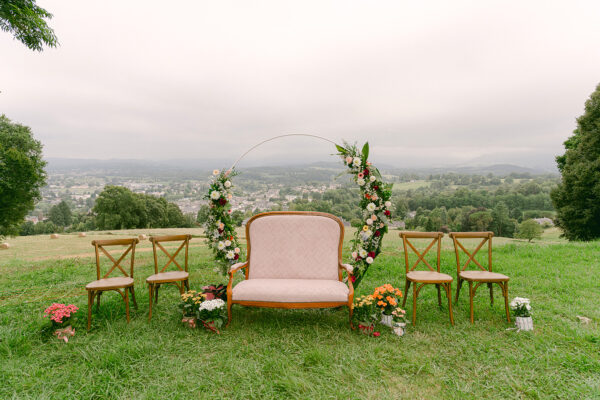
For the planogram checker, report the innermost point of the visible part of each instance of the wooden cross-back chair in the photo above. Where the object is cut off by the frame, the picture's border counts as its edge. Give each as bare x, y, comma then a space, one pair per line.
482, 275
431, 276
179, 278
121, 284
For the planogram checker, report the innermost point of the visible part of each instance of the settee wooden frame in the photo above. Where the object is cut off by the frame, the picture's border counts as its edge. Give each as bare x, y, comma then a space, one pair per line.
291, 305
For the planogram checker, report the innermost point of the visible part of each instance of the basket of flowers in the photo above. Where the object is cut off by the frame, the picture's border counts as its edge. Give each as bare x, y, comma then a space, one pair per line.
387, 298
190, 301
60, 315
212, 314
522, 310
366, 313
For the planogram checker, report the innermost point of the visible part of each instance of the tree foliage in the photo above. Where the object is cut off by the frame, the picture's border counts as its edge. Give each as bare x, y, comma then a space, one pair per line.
530, 230
25, 20
577, 197
60, 214
22, 174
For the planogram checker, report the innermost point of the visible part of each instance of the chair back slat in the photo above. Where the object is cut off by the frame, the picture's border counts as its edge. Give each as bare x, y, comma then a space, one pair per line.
486, 237
156, 242
99, 247
436, 238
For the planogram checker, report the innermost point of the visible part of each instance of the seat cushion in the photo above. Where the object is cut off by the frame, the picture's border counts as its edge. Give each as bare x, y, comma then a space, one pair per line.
290, 290
483, 276
428, 276
296, 246
170, 276
110, 283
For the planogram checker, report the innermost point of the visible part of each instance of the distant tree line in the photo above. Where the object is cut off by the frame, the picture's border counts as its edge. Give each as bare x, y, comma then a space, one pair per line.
116, 207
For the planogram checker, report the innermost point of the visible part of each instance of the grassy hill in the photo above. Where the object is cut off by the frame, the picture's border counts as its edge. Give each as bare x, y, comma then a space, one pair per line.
269, 353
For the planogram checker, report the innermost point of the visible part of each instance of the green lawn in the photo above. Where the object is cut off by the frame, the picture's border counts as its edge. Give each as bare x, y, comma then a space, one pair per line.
303, 354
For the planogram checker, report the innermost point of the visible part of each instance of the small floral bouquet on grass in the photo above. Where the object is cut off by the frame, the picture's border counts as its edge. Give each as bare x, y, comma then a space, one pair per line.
60, 315
521, 307
387, 298
398, 321
215, 292
367, 314
190, 301
212, 314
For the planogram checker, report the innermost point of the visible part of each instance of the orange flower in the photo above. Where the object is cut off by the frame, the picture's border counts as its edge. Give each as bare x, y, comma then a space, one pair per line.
367, 195
393, 301
380, 303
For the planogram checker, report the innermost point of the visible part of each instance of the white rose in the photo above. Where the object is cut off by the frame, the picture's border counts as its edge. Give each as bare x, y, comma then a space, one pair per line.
369, 221
369, 260
227, 184
362, 253
360, 182
215, 194
356, 162
220, 245
236, 250
230, 254
388, 204
215, 172
227, 243
371, 207
372, 178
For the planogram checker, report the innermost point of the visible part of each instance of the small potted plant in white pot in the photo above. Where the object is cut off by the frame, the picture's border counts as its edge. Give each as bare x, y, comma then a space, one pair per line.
399, 321
522, 310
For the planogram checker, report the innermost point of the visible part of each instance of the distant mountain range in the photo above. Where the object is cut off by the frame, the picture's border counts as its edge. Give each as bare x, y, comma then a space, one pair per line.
189, 166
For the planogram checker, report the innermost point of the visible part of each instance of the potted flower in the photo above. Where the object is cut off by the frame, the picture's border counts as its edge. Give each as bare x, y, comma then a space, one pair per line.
190, 301
522, 311
366, 313
215, 292
399, 321
212, 314
387, 298
60, 315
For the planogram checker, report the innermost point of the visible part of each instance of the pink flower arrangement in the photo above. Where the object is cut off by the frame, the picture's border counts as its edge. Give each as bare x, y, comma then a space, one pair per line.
58, 311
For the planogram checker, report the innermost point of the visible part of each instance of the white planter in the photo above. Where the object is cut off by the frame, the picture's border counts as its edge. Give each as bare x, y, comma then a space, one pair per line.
387, 320
399, 328
524, 323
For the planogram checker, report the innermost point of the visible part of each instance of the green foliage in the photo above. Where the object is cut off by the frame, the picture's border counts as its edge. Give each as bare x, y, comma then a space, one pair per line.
530, 230
119, 208
25, 20
577, 198
22, 174
61, 214
203, 213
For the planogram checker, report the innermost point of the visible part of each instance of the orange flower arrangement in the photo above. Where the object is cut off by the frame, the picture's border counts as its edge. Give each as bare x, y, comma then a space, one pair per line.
387, 298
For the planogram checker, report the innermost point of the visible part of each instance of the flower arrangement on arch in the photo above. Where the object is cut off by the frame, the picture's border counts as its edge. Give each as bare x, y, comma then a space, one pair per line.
387, 298
375, 204
212, 314
521, 307
219, 228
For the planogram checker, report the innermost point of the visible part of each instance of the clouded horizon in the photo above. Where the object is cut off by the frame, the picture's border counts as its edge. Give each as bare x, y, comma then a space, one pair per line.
425, 84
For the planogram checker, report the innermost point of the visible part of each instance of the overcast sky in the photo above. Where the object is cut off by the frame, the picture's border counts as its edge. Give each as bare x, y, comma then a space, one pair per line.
426, 83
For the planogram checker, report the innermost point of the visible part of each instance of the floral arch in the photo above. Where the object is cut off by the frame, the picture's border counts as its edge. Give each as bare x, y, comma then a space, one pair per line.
374, 202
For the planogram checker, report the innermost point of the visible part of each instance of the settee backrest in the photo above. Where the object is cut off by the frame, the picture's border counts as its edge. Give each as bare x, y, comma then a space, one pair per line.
294, 245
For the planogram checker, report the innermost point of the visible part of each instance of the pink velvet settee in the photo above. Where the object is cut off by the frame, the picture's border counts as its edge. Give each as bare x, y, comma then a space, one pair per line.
294, 261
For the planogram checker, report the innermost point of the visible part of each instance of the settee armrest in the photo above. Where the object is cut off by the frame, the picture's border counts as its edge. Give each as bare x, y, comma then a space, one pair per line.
237, 266
349, 268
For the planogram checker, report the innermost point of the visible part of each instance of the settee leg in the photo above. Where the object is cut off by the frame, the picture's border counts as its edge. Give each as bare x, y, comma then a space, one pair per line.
228, 313
350, 316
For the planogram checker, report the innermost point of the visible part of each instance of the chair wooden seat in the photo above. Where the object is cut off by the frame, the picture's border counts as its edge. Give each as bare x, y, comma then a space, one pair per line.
165, 277
483, 276
110, 283
179, 277
479, 276
121, 284
428, 276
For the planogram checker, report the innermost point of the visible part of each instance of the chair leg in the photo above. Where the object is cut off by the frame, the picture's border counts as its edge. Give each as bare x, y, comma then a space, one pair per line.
406, 287
133, 296
471, 299
127, 303
187, 285
460, 281
505, 292
491, 286
156, 287
439, 295
181, 287
97, 301
449, 295
228, 312
150, 311
414, 316
90, 301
